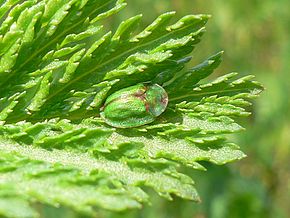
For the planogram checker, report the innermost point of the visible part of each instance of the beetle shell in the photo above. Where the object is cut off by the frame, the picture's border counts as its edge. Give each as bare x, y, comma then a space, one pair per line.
134, 106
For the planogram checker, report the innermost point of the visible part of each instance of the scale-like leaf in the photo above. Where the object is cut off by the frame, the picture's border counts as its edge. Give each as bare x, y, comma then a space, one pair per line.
57, 67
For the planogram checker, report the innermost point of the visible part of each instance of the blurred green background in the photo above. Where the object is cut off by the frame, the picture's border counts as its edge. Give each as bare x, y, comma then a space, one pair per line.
255, 37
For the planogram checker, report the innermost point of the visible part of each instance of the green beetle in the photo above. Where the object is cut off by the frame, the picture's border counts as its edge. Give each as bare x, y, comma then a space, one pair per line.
134, 106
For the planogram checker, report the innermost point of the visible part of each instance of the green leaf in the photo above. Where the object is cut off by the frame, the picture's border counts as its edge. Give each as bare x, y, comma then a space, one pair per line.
57, 67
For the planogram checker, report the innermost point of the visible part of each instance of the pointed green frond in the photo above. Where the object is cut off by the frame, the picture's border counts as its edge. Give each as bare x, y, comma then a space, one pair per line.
58, 65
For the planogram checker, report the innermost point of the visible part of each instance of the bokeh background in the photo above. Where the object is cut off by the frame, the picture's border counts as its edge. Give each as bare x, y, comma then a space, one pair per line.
255, 37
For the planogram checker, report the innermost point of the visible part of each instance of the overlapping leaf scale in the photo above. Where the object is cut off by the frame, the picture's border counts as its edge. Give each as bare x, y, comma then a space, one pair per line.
139, 157
62, 65
73, 186
131, 157
216, 106
8, 6
107, 58
60, 19
186, 151
5, 7
7, 104
19, 34
110, 59
184, 80
188, 142
225, 97
226, 85
82, 181
159, 41
32, 42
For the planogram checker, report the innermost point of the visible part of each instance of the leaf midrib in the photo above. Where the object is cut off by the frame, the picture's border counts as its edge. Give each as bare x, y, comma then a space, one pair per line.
207, 93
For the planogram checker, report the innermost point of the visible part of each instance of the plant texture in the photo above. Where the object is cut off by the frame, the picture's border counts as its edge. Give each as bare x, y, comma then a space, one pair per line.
57, 67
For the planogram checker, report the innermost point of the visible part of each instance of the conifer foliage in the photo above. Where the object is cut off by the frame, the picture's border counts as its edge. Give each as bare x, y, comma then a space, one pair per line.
58, 65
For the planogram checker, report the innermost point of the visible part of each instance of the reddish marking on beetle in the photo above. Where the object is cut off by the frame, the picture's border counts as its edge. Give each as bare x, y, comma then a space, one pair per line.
147, 106
142, 97
141, 94
164, 100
